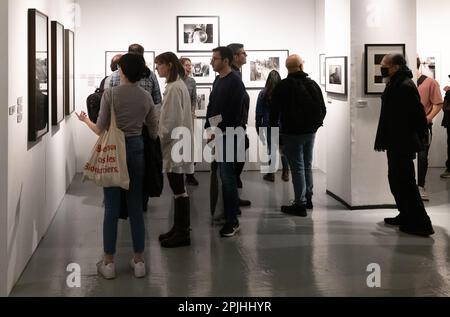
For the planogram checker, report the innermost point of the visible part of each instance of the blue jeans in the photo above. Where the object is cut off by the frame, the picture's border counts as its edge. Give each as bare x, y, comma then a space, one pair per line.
299, 152
228, 175
134, 197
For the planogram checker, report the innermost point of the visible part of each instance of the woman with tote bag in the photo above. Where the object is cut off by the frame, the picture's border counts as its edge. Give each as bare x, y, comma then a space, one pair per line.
131, 107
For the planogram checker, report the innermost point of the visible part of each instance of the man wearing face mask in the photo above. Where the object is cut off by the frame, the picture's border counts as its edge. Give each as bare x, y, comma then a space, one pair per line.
402, 132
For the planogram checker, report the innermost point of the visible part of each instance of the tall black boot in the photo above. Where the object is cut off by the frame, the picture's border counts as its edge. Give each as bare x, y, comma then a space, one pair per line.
167, 235
181, 236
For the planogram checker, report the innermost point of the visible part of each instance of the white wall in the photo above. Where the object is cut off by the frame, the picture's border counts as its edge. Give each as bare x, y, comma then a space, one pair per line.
369, 169
257, 24
3, 145
337, 43
38, 173
432, 40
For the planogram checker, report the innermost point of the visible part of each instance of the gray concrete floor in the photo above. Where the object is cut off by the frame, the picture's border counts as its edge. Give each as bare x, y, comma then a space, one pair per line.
325, 254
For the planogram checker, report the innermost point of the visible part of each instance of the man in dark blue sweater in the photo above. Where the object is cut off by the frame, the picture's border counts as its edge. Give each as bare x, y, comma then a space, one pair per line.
226, 110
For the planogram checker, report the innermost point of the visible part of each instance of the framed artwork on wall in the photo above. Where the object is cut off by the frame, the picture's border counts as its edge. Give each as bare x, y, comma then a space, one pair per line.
202, 71
322, 72
374, 54
260, 63
69, 72
57, 35
38, 101
149, 57
336, 75
202, 101
198, 33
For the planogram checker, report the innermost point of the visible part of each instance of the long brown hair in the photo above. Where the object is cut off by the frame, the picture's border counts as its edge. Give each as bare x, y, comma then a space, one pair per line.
175, 67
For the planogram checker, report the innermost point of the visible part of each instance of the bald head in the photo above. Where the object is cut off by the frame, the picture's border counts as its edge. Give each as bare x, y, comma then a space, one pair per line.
115, 62
294, 64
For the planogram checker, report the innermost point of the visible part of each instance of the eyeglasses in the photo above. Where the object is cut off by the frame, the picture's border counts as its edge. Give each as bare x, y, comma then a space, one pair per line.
243, 53
216, 59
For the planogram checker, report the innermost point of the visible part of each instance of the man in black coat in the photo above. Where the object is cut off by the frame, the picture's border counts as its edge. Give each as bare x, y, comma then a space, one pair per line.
446, 124
402, 132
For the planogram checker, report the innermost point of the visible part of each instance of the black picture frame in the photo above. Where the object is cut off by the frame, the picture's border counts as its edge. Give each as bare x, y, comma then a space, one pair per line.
260, 63
198, 33
69, 72
38, 76
336, 75
373, 53
57, 76
149, 57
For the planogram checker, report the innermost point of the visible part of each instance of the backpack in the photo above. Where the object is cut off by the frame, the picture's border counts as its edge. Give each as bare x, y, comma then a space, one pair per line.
94, 100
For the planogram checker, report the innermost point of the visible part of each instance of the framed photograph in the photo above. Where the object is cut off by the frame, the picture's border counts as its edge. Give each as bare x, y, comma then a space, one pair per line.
336, 75
149, 57
57, 34
202, 101
38, 102
374, 54
429, 65
202, 71
69, 72
322, 71
197, 33
260, 63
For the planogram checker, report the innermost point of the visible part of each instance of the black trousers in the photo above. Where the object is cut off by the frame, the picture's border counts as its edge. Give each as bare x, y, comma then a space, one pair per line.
447, 164
402, 182
422, 160
176, 183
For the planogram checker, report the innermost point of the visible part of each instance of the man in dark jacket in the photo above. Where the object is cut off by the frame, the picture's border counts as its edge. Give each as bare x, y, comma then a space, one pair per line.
402, 131
446, 124
298, 105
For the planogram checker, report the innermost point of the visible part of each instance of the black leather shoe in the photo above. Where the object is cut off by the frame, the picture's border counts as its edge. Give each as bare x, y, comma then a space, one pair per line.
295, 210
393, 221
244, 203
423, 230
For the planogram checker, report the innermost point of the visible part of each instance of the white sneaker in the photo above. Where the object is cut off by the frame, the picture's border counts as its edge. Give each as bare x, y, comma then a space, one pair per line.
107, 271
423, 194
138, 268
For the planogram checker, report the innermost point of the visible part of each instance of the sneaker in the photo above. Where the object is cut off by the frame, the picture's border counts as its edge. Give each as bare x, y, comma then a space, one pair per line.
269, 177
295, 210
446, 174
229, 230
285, 176
138, 268
393, 221
244, 203
423, 194
107, 271
190, 180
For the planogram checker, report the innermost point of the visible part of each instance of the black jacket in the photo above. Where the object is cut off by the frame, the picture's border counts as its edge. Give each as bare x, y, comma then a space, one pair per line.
403, 124
446, 109
297, 105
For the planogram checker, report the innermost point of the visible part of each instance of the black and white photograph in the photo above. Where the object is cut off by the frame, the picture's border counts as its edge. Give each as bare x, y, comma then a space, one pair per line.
336, 75
374, 53
428, 65
57, 35
197, 33
38, 75
149, 57
202, 101
322, 71
202, 70
260, 64
69, 72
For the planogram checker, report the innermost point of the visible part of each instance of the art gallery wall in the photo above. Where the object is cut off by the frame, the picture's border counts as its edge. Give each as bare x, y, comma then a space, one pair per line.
38, 173
3, 146
432, 40
257, 24
337, 43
